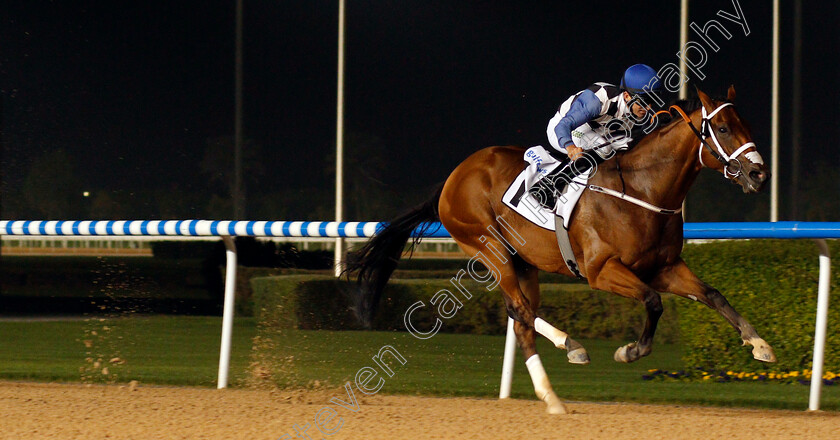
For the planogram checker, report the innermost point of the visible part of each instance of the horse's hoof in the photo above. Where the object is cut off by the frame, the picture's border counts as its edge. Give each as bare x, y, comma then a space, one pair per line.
764, 354
557, 409
621, 354
554, 405
579, 356
630, 353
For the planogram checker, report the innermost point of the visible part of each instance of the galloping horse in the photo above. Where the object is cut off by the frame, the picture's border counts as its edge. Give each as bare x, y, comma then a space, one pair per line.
620, 247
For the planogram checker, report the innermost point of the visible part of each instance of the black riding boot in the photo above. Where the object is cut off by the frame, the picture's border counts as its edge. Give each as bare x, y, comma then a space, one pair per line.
552, 185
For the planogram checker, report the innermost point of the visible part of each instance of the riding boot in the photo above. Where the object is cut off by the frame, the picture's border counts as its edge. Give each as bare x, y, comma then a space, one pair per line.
547, 189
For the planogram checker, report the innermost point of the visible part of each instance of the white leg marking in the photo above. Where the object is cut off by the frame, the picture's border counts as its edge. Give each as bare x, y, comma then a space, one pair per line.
557, 337
542, 387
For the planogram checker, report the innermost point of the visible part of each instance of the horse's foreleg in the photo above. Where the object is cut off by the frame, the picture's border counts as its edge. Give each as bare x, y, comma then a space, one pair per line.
680, 280
617, 278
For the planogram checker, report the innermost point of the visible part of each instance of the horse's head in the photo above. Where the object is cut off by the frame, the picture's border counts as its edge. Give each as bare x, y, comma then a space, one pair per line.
735, 154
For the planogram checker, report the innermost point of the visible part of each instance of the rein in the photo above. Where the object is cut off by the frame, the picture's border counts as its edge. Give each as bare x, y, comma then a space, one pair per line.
633, 200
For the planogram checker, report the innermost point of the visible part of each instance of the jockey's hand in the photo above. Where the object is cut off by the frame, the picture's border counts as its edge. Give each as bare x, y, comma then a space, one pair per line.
574, 151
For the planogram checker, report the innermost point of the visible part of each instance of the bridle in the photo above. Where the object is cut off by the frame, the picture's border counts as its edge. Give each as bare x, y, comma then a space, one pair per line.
731, 164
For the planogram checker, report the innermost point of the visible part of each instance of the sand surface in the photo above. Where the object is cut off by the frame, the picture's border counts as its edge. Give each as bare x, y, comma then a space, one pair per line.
59, 411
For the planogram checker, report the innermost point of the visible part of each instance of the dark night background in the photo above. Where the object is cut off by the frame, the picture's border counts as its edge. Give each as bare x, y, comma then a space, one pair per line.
134, 101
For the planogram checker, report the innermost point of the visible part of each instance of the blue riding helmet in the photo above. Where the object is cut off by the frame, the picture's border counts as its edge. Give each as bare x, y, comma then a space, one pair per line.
641, 79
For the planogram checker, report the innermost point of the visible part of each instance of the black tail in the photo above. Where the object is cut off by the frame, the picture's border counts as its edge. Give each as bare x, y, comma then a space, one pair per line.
376, 261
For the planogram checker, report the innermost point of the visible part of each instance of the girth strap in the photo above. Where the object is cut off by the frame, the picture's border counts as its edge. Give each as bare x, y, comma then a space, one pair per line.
566, 246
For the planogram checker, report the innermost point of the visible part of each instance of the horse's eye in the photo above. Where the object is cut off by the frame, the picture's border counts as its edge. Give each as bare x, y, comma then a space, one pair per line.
722, 129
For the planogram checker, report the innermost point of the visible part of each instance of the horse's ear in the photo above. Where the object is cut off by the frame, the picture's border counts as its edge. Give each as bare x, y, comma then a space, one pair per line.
730, 94
704, 98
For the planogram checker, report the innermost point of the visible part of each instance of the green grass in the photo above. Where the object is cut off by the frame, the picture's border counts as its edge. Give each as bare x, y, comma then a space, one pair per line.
184, 351
470, 365
176, 350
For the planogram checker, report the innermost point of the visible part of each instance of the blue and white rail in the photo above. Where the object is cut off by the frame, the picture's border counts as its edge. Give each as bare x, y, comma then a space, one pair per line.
226, 230
209, 228
780, 230
192, 228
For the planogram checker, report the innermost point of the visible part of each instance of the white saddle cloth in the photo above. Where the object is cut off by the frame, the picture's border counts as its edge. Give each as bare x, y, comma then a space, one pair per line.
540, 163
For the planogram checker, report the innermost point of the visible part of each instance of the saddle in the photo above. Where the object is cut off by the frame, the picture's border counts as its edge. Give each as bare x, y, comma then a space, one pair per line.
539, 164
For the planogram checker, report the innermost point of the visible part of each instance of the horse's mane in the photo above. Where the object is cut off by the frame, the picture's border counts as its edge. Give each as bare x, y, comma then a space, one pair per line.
687, 105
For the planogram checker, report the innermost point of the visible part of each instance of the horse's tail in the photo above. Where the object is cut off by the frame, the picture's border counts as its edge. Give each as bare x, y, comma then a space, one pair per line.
376, 261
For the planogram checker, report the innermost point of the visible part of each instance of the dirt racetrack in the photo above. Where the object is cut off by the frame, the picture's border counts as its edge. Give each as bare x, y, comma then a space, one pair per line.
54, 411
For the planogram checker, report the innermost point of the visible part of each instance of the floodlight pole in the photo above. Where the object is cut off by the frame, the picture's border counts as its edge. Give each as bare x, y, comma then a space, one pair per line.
339, 143
238, 205
774, 121
796, 113
683, 41
683, 69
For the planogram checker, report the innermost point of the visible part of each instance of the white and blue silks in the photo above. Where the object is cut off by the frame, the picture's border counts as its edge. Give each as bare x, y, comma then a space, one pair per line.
595, 118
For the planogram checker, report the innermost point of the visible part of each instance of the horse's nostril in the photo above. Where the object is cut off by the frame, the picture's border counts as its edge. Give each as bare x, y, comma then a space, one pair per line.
758, 176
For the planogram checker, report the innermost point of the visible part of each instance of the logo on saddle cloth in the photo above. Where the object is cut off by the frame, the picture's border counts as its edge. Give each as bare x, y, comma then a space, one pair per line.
516, 197
534, 157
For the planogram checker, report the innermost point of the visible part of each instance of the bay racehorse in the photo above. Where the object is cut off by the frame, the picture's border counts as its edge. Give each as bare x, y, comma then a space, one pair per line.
620, 247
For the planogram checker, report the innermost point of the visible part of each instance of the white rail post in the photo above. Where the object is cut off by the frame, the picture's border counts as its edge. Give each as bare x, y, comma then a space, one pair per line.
227, 314
820, 327
507, 364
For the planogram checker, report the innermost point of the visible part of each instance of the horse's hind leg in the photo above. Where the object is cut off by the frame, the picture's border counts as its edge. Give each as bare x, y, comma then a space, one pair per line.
680, 280
520, 290
617, 278
517, 304
530, 286
542, 387
526, 336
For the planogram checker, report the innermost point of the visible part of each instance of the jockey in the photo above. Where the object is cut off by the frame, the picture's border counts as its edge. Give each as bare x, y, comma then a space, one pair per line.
594, 123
